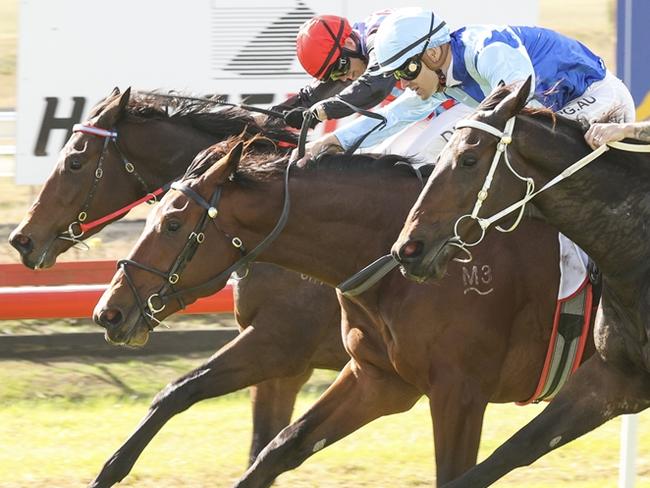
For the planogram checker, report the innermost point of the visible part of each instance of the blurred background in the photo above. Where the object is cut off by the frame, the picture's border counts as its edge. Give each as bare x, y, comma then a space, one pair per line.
63, 411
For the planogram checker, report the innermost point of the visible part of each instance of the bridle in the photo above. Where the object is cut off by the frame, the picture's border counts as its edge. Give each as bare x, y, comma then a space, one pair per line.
79, 227
505, 138
150, 308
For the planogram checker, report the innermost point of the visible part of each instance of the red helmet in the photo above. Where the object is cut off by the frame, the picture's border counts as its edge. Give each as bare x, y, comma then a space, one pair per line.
319, 43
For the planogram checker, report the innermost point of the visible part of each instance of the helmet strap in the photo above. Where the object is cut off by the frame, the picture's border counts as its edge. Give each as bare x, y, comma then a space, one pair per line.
357, 52
442, 78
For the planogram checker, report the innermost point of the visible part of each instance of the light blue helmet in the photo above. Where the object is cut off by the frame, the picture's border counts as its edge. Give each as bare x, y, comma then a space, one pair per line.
405, 33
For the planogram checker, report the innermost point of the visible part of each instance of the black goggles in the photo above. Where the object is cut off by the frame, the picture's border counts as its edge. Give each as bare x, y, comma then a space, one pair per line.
409, 70
339, 69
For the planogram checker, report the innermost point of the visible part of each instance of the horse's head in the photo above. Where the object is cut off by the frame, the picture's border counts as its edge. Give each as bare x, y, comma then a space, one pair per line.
129, 147
441, 222
169, 263
84, 179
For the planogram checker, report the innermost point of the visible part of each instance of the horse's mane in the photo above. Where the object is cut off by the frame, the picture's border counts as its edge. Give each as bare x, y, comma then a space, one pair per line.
538, 113
213, 119
573, 130
258, 164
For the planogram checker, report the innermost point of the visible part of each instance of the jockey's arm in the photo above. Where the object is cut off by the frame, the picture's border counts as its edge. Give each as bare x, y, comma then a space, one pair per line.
310, 94
407, 109
365, 92
500, 62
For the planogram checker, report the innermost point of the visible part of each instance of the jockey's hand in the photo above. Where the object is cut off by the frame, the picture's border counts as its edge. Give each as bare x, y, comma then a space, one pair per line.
599, 134
294, 118
318, 111
328, 143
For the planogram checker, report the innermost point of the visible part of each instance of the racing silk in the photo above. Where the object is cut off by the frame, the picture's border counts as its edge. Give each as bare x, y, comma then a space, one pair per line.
482, 56
562, 68
365, 92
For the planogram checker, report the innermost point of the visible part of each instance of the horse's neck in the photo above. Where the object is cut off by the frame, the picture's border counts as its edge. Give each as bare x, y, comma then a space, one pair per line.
338, 224
166, 148
601, 208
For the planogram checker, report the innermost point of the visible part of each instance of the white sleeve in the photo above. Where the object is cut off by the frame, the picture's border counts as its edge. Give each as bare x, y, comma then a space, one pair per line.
407, 109
501, 62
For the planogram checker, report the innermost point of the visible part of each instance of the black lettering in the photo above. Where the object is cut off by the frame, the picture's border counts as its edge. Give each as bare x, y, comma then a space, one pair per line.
258, 98
51, 122
446, 135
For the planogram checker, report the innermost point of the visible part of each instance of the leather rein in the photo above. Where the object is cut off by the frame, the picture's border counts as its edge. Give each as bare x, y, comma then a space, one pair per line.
156, 302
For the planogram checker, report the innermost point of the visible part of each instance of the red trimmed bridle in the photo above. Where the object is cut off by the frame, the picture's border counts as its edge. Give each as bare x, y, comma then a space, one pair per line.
78, 228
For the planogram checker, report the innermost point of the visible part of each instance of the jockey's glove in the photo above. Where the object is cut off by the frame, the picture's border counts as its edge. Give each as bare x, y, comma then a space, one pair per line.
294, 118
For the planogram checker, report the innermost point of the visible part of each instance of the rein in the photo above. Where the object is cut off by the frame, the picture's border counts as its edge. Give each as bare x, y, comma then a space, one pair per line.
505, 138
243, 106
366, 113
172, 277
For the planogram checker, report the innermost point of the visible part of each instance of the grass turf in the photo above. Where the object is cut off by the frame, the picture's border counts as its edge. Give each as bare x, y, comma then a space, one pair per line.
59, 422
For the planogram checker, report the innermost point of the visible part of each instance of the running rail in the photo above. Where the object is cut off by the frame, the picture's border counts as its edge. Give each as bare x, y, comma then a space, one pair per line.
71, 290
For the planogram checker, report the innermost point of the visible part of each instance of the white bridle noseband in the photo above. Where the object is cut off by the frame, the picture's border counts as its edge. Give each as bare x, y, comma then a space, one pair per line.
505, 138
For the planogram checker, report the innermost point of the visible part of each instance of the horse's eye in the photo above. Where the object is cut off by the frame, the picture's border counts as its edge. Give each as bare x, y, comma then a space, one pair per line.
173, 225
75, 164
468, 160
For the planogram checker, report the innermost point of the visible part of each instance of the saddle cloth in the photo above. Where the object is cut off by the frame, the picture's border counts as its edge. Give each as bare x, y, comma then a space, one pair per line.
571, 322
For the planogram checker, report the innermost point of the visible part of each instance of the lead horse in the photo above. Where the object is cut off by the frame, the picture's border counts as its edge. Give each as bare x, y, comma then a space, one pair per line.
461, 349
143, 142
604, 207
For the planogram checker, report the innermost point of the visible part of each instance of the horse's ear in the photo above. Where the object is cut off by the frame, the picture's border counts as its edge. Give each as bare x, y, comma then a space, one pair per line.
233, 158
124, 99
115, 92
236, 152
226, 166
516, 100
114, 109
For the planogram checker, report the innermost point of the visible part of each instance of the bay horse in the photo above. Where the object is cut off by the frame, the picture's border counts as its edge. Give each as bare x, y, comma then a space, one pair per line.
460, 349
604, 208
160, 137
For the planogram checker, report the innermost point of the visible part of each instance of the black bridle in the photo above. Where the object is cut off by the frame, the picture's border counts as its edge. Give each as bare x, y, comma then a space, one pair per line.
167, 292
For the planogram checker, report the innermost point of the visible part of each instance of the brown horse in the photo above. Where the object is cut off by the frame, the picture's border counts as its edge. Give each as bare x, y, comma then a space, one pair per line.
604, 208
460, 348
283, 340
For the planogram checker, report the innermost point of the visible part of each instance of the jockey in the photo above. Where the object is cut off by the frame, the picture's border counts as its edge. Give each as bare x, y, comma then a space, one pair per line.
337, 54
415, 46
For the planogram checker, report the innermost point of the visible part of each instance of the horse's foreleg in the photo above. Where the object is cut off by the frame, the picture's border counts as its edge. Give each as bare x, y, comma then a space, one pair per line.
358, 396
457, 412
273, 402
247, 360
596, 393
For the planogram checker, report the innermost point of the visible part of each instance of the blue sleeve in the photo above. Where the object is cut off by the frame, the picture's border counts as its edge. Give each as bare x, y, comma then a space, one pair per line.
407, 109
501, 62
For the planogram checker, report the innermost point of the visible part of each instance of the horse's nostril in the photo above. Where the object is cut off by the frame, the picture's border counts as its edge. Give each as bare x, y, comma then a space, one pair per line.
110, 317
410, 250
22, 243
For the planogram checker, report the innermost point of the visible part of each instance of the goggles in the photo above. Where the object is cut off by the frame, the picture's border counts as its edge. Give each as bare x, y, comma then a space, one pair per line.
409, 70
339, 69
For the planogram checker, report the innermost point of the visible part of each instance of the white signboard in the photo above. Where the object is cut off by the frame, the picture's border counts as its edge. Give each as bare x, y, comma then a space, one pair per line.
73, 52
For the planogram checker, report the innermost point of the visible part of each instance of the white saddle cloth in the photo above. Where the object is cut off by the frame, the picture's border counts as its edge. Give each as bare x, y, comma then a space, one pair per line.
573, 267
